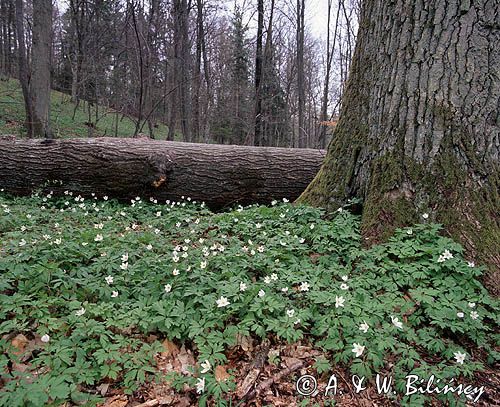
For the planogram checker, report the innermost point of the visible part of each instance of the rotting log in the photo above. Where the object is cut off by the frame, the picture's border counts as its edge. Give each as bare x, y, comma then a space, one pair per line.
219, 175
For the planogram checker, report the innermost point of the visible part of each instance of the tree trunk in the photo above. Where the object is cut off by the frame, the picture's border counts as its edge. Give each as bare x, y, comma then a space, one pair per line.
220, 175
40, 85
200, 33
419, 127
302, 135
326, 87
182, 63
23, 67
257, 137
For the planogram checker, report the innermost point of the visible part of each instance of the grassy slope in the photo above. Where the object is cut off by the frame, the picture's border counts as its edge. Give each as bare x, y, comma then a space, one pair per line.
12, 116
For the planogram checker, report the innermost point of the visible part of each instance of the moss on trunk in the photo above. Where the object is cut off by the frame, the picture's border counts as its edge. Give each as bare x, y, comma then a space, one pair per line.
420, 124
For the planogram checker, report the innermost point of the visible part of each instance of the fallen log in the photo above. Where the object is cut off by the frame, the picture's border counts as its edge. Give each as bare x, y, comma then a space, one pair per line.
219, 175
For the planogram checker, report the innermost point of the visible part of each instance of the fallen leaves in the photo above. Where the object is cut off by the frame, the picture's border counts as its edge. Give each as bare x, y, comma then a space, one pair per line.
116, 401
221, 374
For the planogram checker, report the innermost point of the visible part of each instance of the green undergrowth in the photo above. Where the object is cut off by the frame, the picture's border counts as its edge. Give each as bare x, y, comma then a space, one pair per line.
89, 281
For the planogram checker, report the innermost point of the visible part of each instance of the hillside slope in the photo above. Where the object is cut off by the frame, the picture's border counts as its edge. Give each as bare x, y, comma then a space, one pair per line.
66, 120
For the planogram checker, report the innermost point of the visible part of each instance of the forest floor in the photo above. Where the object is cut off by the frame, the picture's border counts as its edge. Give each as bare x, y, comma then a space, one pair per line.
105, 303
67, 119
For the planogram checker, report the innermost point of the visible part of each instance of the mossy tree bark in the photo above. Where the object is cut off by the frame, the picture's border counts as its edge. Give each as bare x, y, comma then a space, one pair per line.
419, 128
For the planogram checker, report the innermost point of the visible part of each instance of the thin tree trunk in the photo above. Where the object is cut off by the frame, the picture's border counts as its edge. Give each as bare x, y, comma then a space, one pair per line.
302, 135
420, 123
23, 67
41, 67
257, 139
326, 88
140, 63
197, 72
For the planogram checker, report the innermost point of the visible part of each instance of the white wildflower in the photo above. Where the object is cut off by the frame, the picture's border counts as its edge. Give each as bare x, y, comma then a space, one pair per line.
304, 286
357, 349
222, 302
339, 301
205, 367
459, 357
364, 327
396, 322
200, 385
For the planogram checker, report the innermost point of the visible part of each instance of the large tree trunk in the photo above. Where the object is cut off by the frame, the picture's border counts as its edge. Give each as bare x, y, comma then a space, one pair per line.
42, 50
420, 124
220, 175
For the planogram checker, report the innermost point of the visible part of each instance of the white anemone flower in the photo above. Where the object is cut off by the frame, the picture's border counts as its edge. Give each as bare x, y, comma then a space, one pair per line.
222, 302
364, 327
339, 301
200, 385
205, 367
357, 349
459, 357
80, 312
304, 286
396, 322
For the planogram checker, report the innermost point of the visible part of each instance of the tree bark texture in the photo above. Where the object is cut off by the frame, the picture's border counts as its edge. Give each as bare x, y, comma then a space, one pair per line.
220, 175
419, 127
